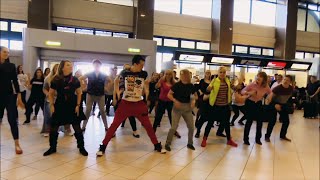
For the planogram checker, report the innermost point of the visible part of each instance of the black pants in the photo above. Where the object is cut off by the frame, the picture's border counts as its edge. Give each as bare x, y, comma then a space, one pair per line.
9, 102
162, 106
31, 101
254, 111
236, 109
132, 120
153, 102
285, 122
23, 98
215, 113
204, 115
54, 134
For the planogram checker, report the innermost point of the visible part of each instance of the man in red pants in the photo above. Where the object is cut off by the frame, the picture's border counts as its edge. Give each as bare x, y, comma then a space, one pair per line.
133, 83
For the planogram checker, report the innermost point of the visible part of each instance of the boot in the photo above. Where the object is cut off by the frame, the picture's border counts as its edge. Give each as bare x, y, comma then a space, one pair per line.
204, 141
80, 142
53, 143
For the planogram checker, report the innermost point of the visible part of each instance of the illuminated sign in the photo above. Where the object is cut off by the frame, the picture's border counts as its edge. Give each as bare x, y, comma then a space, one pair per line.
188, 57
53, 43
133, 50
277, 64
250, 62
300, 66
221, 60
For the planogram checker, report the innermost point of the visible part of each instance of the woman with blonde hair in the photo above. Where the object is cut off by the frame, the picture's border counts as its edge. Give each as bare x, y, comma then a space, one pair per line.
256, 92
46, 112
165, 84
219, 100
183, 95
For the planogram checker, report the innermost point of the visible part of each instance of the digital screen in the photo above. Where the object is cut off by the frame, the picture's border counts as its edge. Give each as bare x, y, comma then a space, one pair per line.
222, 60
250, 62
189, 57
277, 64
300, 66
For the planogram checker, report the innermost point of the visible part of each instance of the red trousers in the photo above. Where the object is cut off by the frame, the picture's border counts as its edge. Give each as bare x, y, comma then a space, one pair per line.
127, 109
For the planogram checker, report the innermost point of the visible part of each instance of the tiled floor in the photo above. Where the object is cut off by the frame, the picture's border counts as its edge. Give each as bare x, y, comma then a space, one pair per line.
130, 158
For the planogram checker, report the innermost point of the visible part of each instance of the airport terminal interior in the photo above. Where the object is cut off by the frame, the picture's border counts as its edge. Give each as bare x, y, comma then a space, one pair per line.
160, 89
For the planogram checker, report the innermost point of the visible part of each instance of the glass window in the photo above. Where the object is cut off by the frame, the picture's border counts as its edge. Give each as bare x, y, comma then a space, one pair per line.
167, 57
66, 29
167, 5
308, 55
3, 25
316, 55
188, 44
203, 46
301, 19
241, 11
267, 52
119, 2
159, 41
84, 31
158, 62
16, 45
171, 42
121, 35
312, 7
313, 21
263, 13
299, 55
4, 42
232, 48
254, 50
103, 33
197, 8
18, 27
242, 49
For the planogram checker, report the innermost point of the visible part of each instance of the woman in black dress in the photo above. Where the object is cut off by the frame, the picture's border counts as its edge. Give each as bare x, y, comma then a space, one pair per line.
67, 108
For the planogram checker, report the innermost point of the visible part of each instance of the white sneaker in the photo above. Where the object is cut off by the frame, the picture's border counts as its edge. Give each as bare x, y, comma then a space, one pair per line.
163, 151
99, 153
45, 134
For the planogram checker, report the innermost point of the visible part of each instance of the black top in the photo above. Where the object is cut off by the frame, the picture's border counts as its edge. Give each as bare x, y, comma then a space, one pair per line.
8, 76
203, 86
66, 101
313, 87
154, 92
37, 86
132, 84
182, 92
96, 83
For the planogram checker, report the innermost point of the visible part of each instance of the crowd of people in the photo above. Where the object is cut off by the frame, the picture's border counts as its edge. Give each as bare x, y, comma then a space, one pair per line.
61, 94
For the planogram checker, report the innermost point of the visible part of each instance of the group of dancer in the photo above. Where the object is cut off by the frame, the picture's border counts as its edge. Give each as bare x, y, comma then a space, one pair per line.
61, 96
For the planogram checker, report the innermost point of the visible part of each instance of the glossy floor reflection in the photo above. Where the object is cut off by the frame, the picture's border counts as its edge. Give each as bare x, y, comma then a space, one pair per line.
131, 158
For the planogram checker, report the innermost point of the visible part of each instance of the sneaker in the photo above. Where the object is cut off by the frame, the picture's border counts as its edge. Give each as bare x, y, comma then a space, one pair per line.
246, 143
259, 142
285, 139
102, 150
167, 147
158, 148
45, 134
232, 143
267, 139
26, 122
190, 146
34, 118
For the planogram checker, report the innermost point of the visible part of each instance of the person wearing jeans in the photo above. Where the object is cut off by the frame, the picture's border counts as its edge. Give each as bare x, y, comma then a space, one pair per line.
256, 92
183, 103
133, 86
280, 96
219, 100
98, 83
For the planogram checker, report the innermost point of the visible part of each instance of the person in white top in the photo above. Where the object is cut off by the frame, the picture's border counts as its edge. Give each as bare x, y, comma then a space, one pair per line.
238, 102
278, 82
23, 80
